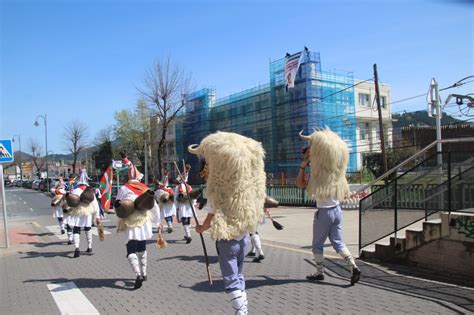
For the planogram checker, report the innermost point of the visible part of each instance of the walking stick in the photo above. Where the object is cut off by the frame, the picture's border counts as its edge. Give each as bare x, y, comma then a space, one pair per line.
209, 277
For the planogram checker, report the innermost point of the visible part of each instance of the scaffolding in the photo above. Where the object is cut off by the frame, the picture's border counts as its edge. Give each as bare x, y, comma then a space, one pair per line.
274, 115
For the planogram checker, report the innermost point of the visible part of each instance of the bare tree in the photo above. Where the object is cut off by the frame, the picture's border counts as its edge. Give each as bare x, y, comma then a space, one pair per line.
165, 86
104, 135
75, 135
35, 149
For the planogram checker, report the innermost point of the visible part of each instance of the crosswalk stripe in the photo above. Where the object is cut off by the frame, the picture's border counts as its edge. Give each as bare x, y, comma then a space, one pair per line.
70, 300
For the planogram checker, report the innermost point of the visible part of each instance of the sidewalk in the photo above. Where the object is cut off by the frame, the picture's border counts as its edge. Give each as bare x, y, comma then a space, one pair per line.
178, 283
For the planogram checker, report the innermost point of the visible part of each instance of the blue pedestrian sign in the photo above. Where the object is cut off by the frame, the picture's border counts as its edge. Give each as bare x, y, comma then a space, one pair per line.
6, 151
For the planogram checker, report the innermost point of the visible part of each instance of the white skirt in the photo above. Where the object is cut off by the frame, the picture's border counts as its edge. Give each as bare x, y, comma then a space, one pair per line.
58, 212
80, 221
167, 210
185, 210
141, 233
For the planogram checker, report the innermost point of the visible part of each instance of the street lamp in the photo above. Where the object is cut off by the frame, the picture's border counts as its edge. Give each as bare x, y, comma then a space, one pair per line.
46, 139
19, 155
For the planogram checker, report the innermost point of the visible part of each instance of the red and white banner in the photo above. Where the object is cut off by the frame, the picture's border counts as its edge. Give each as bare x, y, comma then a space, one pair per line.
291, 68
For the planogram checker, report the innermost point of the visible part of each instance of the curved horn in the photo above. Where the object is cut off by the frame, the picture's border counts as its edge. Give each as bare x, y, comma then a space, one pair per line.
307, 138
193, 148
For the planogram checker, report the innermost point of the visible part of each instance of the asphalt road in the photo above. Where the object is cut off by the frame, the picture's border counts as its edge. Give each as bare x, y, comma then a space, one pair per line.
26, 203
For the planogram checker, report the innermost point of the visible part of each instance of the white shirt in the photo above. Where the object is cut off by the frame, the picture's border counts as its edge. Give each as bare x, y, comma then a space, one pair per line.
327, 203
144, 232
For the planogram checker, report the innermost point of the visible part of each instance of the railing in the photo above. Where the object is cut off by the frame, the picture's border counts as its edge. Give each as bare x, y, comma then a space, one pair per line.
418, 192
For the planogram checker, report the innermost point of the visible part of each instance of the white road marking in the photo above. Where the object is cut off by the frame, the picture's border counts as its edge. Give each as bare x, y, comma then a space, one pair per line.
31, 209
19, 198
24, 202
57, 231
70, 300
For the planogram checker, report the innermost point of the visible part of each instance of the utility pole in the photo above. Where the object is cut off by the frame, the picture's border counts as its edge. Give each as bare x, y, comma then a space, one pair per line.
434, 104
379, 110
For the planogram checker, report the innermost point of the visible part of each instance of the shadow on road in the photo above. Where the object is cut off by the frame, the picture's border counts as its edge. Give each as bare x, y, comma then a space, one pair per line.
115, 283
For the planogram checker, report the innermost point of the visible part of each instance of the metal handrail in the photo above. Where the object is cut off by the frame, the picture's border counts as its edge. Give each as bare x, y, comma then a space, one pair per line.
455, 140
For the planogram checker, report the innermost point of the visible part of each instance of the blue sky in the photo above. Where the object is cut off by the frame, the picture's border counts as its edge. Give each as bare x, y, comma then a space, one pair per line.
83, 60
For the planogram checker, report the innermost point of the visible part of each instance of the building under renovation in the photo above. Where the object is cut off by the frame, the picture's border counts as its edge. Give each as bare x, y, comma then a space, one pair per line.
274, 115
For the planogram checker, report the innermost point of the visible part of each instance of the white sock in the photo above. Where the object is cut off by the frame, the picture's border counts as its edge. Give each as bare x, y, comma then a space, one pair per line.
237, 300
318, 259
257, 244
69, 236
89, 238
344, 253
77, 239
133, 260
142, 256
187, 230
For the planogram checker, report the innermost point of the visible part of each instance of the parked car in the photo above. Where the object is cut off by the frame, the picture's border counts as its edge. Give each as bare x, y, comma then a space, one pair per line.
19, 183
35, 184
43, 185
28, 183
7, 182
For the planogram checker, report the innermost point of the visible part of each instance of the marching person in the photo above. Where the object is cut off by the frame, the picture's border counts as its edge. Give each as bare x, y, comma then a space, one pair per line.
56, 203
164, 196
327, 156
235, 175
183, 207
83, 210
137, 210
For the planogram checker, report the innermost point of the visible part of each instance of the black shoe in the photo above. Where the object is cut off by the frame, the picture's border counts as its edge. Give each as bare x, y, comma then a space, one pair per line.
62, 231
77, 253
89, 250
188, 240
355, 275
315, 277
259, 258
69, 242
138, 283
251, 254
145, 278
170, 230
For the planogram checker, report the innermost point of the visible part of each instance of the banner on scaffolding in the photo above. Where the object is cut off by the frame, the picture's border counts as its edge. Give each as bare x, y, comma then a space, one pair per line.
291, 68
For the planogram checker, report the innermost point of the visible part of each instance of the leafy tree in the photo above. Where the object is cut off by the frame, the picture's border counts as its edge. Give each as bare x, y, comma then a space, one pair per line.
374, 161
103, 155
132, 128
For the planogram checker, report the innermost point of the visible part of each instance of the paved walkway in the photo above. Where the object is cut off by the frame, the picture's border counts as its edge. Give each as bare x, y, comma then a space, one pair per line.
32, 275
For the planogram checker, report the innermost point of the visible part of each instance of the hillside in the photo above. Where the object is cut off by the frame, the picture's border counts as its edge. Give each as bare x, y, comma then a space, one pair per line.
421, 118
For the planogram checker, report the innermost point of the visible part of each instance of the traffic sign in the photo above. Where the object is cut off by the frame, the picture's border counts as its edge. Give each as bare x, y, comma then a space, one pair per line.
6, 151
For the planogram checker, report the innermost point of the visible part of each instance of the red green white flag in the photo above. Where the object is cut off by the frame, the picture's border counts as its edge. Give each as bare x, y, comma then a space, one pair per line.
106, 188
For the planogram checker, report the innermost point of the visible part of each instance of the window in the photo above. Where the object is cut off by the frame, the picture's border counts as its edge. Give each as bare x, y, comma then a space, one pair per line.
383, 101
364, 99
170, 149
364, 131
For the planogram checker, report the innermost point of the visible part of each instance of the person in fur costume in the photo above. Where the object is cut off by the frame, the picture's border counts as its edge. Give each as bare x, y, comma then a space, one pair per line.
183, 208
137, 210
235, 198
327, 156
82, 209
164, 196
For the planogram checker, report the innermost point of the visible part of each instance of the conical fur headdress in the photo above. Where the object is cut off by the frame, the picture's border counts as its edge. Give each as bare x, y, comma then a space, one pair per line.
328, 156
236, 182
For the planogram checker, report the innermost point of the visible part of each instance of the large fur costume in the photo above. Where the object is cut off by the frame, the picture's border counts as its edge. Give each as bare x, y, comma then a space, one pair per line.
236, 182
328, 156
136, 219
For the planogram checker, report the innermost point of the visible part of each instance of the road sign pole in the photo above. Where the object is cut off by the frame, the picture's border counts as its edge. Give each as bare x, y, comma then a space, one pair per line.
4, 205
